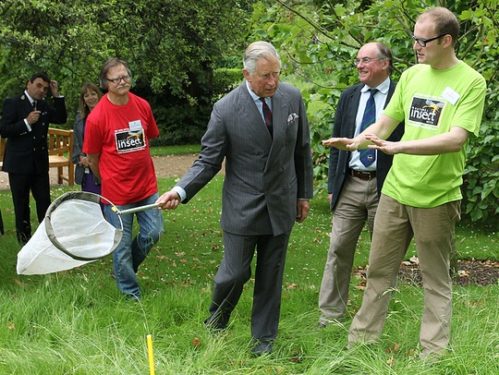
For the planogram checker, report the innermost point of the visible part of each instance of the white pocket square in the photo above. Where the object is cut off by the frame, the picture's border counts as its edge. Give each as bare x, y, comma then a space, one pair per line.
292, 117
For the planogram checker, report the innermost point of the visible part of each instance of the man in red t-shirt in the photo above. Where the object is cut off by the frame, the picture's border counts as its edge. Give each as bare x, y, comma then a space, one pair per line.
117, 137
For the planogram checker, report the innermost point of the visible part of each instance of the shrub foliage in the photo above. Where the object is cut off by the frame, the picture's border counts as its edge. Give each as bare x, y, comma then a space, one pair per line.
172, 47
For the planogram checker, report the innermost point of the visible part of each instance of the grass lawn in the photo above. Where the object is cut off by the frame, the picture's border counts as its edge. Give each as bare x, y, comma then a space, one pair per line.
175, 150
75, 322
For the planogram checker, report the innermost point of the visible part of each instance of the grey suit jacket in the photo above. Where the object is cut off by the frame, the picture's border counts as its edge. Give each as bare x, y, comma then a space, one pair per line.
264, 175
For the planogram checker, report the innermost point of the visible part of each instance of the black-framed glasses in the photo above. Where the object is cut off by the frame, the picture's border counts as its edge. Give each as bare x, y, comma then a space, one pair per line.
119, 79
423, 42
366, 60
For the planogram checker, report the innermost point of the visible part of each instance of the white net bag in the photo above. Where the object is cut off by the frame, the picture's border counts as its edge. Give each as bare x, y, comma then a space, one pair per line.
74, 232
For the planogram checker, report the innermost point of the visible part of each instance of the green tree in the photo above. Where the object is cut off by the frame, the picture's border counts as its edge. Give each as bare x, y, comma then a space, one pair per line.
172, 47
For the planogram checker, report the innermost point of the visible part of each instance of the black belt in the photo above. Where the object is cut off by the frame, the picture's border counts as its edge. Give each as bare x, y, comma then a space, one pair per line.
366, 176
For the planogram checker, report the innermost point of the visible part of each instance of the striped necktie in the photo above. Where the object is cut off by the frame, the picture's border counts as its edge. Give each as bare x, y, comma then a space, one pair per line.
267, 115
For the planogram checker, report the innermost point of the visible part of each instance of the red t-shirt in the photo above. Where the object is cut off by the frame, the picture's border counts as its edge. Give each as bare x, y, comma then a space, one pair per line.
120, 134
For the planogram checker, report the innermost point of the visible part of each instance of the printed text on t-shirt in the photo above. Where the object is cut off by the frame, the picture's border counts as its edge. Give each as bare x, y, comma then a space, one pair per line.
426, 112
129, 141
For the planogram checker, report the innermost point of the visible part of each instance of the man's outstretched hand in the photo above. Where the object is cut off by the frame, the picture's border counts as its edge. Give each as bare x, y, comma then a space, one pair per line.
389, 148
345, 144
169, 200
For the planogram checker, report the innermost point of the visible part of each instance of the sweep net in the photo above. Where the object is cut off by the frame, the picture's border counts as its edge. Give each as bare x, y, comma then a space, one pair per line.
74, 232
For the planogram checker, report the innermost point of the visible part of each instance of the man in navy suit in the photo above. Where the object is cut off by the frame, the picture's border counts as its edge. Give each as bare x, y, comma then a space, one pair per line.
261, 130
25, 122
354, 184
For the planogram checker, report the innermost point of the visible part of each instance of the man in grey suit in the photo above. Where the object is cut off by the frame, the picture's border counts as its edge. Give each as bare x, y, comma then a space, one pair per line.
261, 130
354, 184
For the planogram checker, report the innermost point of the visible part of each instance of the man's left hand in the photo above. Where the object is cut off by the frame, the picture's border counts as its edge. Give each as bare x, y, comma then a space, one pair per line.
387, 147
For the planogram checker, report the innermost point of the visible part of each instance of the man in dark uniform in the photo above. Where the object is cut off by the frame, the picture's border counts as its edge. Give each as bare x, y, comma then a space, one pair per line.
25, 122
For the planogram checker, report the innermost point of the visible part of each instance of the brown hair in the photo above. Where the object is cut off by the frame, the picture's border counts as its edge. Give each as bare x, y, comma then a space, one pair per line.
446, 22
111, 63
83, 107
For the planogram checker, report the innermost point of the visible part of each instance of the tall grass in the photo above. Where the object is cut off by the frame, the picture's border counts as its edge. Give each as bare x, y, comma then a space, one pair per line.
76, 322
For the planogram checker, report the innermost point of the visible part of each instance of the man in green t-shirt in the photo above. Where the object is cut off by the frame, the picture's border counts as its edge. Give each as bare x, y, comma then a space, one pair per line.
441, 102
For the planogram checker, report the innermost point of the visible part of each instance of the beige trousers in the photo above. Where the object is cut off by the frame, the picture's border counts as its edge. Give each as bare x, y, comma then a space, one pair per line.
433, 230
356, 206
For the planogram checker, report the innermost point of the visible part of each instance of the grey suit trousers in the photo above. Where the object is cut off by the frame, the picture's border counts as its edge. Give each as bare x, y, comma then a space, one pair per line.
235, 271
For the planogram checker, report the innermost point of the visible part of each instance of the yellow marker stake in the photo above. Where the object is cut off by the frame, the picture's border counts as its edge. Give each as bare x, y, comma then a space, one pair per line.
150, 355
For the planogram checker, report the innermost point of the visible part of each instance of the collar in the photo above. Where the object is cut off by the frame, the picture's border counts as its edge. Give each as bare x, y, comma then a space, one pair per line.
383, 87
254, 96
31, 100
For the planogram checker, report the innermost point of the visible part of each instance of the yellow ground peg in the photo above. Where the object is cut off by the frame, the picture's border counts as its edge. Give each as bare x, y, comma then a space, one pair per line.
150, 355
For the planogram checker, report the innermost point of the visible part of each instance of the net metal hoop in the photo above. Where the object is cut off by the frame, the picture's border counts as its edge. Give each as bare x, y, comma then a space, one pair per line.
82, 195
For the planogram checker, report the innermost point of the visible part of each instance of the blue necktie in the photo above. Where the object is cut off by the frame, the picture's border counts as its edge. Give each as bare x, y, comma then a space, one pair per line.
368, 156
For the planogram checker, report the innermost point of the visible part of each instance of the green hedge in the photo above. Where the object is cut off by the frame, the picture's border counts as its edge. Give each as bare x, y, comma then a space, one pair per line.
183, 120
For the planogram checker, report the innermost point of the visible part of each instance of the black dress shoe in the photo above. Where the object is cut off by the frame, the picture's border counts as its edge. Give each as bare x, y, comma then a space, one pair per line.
217, 323
262, 347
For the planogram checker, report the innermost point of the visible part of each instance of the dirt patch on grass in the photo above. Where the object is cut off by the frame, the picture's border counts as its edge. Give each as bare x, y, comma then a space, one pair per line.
173, 166
165, 166
469, 272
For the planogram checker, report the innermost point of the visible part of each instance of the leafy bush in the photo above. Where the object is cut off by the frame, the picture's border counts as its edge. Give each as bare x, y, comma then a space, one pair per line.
481, 176
183, 120
226, 79
172, 48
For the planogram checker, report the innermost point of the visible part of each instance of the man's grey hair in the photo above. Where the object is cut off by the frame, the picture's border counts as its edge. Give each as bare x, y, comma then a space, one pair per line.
256, 51
385, 53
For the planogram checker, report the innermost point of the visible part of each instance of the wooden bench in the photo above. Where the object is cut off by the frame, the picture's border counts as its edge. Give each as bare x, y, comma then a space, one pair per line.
60, 143
60, 147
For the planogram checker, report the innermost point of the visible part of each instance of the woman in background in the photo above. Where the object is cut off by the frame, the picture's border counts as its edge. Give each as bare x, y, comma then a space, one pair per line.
89, 97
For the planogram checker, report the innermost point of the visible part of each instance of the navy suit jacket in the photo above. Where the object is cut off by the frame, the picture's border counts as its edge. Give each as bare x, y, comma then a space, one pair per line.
344, 126
27, 152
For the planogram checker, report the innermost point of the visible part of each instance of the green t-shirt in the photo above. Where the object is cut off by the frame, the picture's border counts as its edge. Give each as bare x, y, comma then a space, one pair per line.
431, 102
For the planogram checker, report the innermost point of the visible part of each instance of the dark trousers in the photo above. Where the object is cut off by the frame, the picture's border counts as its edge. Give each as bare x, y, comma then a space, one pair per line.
20, 186
235, 271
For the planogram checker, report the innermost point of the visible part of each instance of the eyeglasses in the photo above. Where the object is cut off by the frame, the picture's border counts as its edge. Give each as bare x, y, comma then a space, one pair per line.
423, 42
366, 60
119, 79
